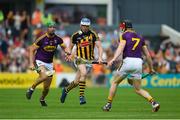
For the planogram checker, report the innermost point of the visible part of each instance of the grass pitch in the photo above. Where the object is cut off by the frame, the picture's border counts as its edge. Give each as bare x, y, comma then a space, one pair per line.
127, 104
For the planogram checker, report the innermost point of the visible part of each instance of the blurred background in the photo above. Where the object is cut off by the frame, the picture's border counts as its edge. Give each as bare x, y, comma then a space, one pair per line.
22, 21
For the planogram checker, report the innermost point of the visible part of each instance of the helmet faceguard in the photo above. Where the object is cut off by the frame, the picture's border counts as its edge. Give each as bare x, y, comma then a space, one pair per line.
125, 24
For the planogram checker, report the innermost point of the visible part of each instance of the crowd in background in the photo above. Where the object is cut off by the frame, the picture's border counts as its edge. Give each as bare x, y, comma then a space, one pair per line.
18, 30
166, 58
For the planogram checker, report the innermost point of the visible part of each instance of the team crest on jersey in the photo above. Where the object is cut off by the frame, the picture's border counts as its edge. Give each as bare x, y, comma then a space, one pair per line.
84, 44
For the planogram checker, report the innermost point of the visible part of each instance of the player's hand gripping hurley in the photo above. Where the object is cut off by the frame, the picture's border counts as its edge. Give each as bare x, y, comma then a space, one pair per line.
89, 62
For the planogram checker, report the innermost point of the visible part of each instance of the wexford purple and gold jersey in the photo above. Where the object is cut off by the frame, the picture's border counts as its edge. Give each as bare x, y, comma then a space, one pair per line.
47, 47
134, 44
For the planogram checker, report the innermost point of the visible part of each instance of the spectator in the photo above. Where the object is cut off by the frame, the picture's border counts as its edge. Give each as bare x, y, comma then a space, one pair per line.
25, 23
17, 23
1, 16
10, 24
98, 74
36, 17
4, 46
46, 18
58, 66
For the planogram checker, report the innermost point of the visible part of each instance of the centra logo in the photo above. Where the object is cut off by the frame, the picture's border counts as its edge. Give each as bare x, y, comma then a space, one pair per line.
84, 44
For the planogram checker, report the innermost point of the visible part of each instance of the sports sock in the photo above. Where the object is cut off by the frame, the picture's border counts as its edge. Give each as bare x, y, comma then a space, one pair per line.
146, 95
82, 85
71, 86
110, 99
151, 100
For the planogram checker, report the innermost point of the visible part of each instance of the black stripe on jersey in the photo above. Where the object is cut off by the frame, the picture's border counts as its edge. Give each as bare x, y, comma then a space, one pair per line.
90, 50
92, 56
80, 50
85, 50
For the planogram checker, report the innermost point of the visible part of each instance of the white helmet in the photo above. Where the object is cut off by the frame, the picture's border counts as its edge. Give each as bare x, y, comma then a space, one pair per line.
85, 21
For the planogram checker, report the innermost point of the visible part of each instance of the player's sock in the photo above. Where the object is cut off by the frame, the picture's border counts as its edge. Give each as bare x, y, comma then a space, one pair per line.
110, 99
71, 86
150, 99
82, 85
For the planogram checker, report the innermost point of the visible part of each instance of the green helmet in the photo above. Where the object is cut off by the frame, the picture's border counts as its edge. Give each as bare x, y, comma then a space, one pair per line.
51, 24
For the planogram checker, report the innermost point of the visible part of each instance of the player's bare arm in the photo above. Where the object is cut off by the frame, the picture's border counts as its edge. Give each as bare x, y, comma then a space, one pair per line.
66, 51
73, 51
149, 60
32, 50
118, 52
69, 52
100, 50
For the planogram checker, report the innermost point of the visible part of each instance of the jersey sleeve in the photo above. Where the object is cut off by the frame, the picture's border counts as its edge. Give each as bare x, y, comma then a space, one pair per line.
73, 38
61, 42
143, 41
122, 38
95, 36
38, 41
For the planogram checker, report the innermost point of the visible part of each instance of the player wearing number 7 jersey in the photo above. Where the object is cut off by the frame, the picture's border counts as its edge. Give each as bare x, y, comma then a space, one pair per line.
131, 47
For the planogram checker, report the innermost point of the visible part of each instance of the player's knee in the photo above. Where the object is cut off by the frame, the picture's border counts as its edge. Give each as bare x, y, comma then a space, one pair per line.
137, 90
117, 79
46, 73
50, 73
115, 82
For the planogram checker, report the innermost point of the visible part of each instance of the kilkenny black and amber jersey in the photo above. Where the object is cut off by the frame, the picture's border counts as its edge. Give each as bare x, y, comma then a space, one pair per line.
85, 43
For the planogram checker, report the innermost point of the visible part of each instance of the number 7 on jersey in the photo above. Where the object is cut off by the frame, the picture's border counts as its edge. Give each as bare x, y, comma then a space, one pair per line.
136, 43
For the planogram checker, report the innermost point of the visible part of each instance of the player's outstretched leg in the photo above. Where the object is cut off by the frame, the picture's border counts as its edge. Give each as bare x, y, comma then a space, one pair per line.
63, 95
29, 93
45, 91
112, 92
146, 95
